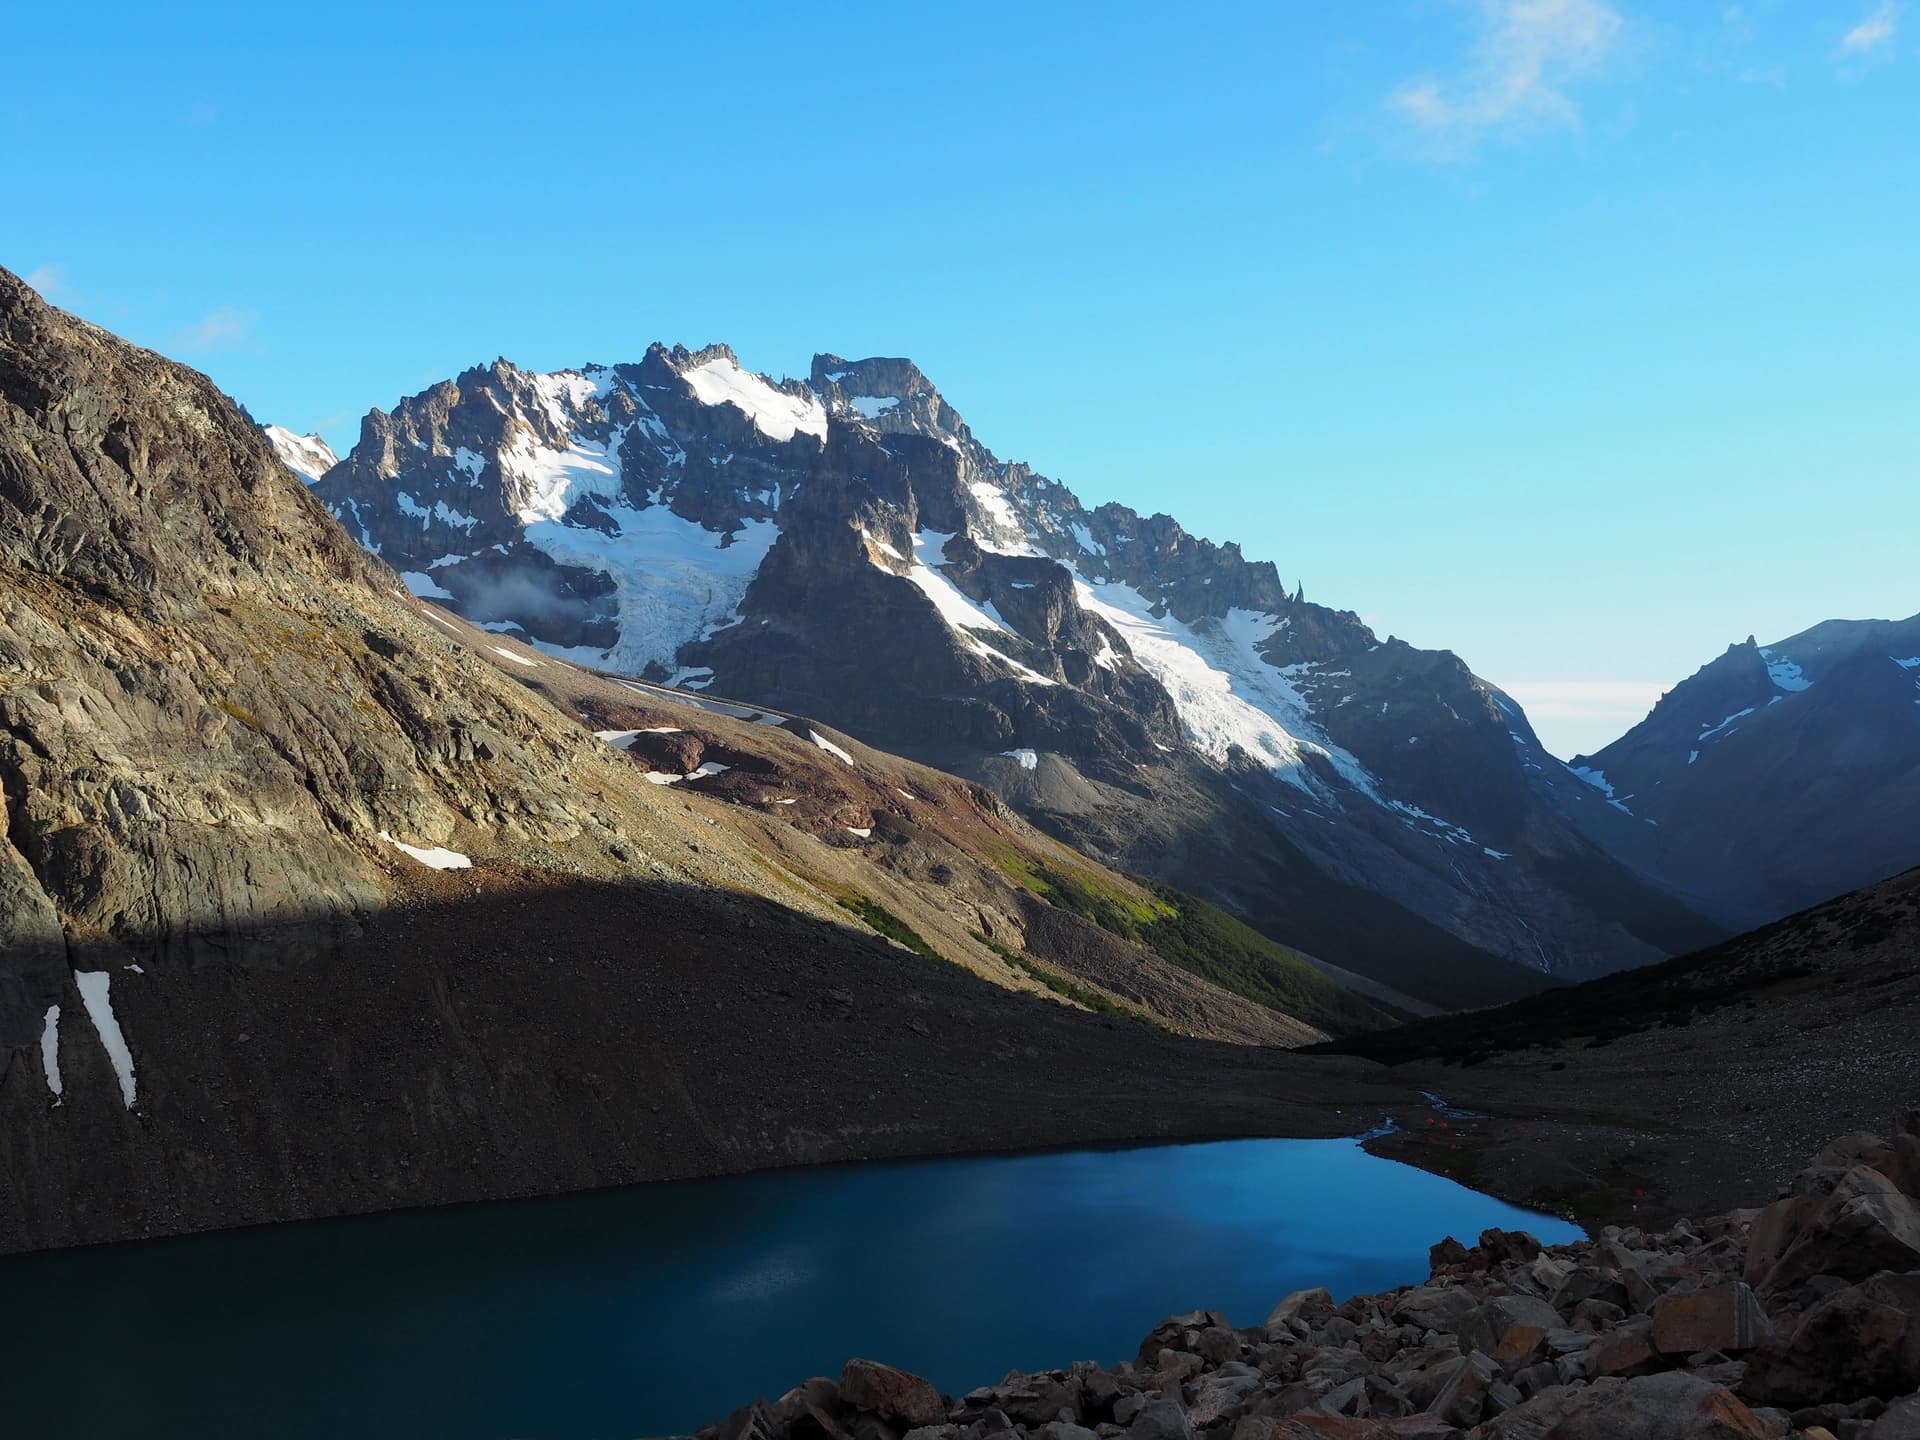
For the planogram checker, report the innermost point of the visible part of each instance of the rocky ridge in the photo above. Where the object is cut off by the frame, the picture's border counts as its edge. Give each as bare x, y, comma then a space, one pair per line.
1776, 775
1798, 1320
845, 547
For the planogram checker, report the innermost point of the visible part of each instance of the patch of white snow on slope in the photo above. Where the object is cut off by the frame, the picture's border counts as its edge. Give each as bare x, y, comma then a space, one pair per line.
871, 407
544, 483
865, 832
433, 857
827, 745
672, 579
507, 654
1707, 732
424, 586
775, 413
1024, 672
1598, 779
1005, 534
1785, 674
50, 1052
96, 990
1225, 693
1029, 759
706, 767
955, 608
308, 456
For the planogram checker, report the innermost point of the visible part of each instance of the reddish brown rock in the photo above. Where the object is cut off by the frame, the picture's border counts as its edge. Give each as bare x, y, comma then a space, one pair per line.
1626, 1351
1673, 1406
868, 1385
1865, 1340
1721, 1317
1520, 1347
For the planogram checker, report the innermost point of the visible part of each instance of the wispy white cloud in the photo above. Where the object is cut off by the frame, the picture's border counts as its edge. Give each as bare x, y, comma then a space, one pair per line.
1517, 74
1876, 29
48, 281
223, 328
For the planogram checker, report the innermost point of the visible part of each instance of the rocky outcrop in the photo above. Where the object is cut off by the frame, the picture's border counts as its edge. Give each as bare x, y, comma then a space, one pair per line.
1630, 1336
211, 709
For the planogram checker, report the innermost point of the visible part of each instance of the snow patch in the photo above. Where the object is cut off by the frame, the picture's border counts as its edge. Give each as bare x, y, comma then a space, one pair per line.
827, 745
424, 586
433, 857
872, 407
960, 612
1708, 732
507, 654
96, 990
1785, 674
1029, 759
863, 831
775, 413
308, 456
50, 1052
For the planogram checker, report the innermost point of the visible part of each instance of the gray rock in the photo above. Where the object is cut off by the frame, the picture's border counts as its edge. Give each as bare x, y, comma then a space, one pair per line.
1162, 1419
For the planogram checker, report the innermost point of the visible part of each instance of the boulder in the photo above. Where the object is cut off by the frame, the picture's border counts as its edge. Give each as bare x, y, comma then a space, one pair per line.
1484, 1328
1864, 1340
1161, 1420
1673, 1406
1720, 1317
1435, 1307
1462, 1400
1864, 1226
1520, 1347
1301, 1305
1626, 1350
1900, 1420
1219, 1394
869, 1385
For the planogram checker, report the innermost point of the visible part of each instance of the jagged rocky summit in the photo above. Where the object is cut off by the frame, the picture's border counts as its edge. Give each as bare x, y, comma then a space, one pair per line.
1799, 1320
1776, 775
844, 546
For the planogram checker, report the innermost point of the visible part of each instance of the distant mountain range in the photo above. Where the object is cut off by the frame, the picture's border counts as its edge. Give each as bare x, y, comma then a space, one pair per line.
845, 547
1777, 775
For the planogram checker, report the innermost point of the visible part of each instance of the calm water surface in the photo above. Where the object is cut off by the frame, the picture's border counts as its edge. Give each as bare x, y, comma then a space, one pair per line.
658, 1308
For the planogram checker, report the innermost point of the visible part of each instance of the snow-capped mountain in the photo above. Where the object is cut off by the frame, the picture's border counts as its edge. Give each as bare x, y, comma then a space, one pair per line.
308, 456
1776, 775
845, 547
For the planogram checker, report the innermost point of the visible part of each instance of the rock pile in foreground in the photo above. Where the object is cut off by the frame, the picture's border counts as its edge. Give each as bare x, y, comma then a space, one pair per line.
1801, 1319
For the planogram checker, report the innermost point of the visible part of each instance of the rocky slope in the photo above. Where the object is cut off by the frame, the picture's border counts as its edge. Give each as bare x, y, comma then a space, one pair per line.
306, 908
1797, 1321
845, 547
1777, 775
1682, 1087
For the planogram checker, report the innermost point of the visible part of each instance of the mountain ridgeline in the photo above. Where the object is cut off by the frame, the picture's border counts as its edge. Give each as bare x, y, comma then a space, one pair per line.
1777, 775
845, 547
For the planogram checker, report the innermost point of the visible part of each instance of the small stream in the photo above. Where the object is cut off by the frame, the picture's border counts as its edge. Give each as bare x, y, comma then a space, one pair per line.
657, 1308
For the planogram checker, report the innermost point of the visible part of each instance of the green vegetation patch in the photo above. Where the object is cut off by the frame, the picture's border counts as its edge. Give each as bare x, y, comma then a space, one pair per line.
1206, 941
877, 917
1097, 1001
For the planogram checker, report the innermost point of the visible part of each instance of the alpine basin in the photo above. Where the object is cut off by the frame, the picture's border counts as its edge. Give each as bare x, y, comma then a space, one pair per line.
658, 1308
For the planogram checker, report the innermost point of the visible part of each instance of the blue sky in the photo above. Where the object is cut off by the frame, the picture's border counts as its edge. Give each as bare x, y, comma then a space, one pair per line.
1577, 336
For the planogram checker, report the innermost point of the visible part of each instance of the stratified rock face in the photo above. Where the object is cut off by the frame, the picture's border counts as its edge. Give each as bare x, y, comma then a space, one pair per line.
1777, 775
1506, 1341
209, 706
845, 547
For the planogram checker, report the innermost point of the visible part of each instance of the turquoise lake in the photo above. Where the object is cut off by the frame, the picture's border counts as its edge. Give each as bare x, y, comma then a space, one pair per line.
655, 1309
